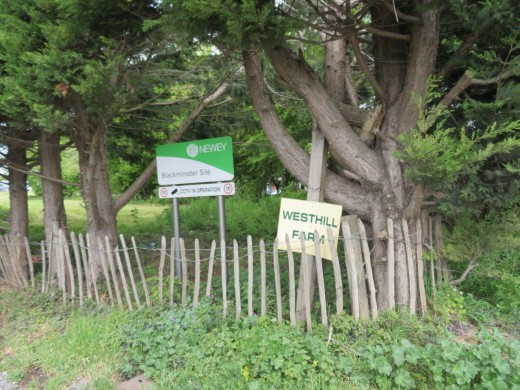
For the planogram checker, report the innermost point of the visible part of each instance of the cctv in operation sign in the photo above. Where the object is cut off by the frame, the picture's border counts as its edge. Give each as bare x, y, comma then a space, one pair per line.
203, 161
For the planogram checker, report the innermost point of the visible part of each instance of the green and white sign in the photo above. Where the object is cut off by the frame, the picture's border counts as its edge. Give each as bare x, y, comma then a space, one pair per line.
202, 161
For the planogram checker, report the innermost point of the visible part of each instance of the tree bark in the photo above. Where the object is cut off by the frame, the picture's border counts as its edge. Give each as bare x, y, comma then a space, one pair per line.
55, 218
52, 190
350, 151
95, 186
18, 207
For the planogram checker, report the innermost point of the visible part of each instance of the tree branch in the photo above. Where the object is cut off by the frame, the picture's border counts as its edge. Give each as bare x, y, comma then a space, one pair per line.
386, 34
338, 24
32, 173
350, 150
359, 55
465, 82
136, 186
472, 264
354, 115
371, 125
464, 47
338, 190
422, 54
399, 14
150, 102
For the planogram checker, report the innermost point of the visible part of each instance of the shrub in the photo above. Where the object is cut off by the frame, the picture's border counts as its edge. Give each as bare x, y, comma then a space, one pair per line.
397, 351
194, 348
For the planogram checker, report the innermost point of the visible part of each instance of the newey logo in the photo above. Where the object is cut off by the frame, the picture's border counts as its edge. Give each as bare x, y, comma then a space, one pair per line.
193, 150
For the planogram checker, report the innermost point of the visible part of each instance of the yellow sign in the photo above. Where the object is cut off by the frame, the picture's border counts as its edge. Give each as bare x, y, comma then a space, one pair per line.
308, 217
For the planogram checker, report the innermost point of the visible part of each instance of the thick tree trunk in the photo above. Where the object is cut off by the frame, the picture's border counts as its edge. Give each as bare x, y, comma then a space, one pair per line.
89, 137
52, 190
95, 185
355, 199
18, 211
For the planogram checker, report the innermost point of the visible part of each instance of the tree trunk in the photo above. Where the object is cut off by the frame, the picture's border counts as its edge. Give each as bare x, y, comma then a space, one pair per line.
52, 190
18, 211
95, 187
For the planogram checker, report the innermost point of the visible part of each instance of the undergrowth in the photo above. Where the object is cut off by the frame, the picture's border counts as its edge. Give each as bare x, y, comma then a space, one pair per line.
457, 345
196, 349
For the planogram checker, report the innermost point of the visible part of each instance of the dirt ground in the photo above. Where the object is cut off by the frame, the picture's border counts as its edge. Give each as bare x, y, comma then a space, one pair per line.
137, 383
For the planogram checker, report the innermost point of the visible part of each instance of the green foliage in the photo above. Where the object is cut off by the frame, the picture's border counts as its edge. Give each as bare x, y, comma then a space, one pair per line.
496, 281
385, 359
235, 23
473, 169
493, 245
495, 188
191, 347
449, 305
437, 157
196, 348
157, 339
73, 46
244, 217
257, 162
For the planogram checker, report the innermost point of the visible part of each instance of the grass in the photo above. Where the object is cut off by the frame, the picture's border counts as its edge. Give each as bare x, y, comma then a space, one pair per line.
135, 218
43, 343
149, 220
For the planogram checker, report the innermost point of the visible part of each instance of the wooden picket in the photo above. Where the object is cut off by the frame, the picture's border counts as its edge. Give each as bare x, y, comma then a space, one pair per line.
292, 284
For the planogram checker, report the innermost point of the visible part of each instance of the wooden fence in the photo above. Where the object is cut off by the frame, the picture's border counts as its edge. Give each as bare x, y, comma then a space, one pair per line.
119, 274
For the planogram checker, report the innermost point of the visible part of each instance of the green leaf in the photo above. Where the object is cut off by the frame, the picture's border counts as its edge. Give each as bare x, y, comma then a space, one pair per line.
382, 365
398, 355
404, 379
345, 364
464, 372
496, 385
502, 366
451, 351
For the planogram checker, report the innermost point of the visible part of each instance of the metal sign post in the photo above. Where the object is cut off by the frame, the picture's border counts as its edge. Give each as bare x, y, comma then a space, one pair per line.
222, 225
177, 235
221, 218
